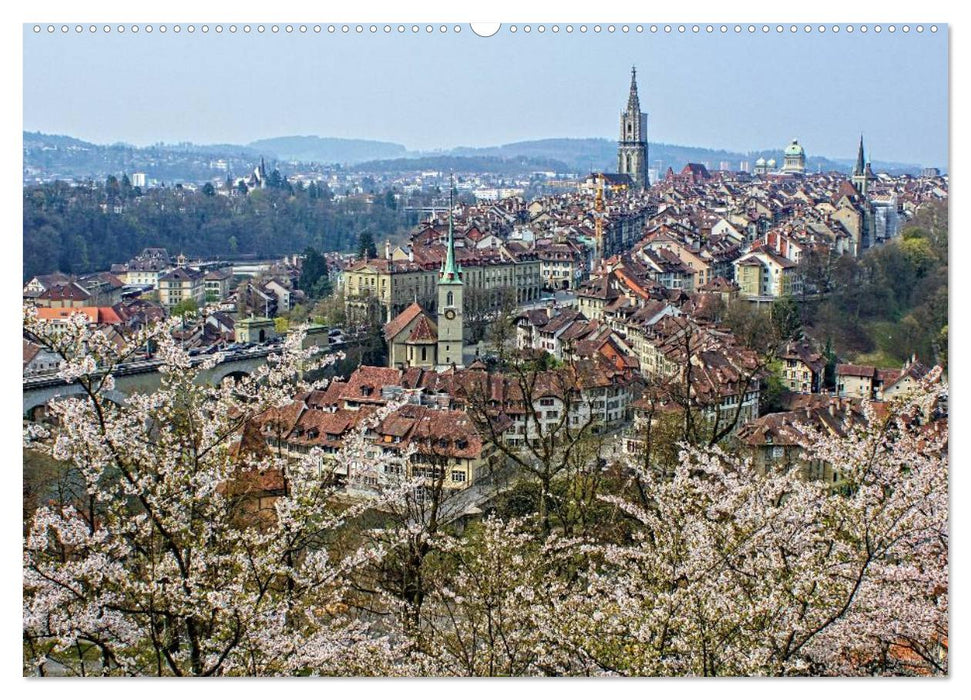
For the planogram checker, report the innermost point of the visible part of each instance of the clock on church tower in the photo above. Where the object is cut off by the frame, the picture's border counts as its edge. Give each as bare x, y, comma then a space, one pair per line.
450, 289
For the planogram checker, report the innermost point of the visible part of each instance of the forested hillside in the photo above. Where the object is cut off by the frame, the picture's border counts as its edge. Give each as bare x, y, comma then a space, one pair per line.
892, 301
87, 228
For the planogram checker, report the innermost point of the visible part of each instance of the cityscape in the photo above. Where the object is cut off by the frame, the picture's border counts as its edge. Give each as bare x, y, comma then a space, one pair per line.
567, 406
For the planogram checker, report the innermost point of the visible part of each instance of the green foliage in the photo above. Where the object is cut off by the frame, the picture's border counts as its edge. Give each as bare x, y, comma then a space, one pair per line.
919, 254
892, 302
786, 319
313, 274
185, 307
941, 342
330, 311
66, 229
298, 314
773, 390
365, 246
829, 371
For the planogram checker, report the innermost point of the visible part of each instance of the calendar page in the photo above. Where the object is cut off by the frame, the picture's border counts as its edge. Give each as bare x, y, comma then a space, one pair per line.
448, 349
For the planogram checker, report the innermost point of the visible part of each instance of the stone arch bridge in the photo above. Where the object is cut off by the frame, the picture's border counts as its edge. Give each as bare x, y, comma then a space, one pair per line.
139, 377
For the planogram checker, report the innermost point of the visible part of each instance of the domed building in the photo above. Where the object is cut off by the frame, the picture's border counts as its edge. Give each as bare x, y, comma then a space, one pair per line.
761, 168
795, 161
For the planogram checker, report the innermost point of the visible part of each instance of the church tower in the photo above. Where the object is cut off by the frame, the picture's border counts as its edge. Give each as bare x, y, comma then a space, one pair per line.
632, 147
861, 172
450, 319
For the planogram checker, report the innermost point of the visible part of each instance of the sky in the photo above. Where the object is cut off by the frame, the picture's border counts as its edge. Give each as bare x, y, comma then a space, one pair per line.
737, 91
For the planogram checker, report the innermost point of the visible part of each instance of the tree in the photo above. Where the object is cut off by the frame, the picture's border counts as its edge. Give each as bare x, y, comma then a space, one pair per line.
711, 382
829, 370
186, 307
734, 572
556, 423
500, 334
171, 563
330, 311
313, 274
480, 618
752, 326
815, 270
365, 246
208, 190
786, 319
298, 315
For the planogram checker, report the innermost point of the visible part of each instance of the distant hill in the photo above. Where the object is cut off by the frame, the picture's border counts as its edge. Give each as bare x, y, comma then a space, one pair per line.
35, 139
444, 162
314, 149
585, 155
52, 156
48, 156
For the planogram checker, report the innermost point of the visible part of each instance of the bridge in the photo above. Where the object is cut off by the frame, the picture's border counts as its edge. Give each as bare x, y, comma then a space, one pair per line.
143, 377
139, 378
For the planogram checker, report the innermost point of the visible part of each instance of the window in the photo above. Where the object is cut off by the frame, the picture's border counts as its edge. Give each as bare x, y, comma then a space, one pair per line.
458, 476
449, 300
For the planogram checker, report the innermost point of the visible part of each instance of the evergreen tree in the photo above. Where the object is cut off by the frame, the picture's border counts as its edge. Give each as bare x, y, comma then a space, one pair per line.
829, 371
365, 246
313, 269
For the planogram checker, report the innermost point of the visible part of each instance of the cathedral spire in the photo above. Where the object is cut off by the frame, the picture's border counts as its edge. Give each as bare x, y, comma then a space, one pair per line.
632, 145
451, 270
860, 162
633, 103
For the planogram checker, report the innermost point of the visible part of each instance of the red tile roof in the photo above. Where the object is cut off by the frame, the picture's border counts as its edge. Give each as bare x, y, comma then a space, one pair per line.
399, 322
424, 331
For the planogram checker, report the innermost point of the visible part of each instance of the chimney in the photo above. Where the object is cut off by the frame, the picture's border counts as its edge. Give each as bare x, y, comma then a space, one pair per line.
387, 248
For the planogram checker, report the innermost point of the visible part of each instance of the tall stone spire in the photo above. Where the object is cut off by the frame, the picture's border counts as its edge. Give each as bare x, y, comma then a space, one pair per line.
633, 103
632, 145
451, 270
862, 173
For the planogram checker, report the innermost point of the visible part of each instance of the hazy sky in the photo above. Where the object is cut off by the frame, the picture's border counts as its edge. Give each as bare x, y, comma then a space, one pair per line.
738, 92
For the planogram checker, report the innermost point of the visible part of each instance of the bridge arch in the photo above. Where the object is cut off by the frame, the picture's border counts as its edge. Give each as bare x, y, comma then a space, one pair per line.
37, 406
236, 375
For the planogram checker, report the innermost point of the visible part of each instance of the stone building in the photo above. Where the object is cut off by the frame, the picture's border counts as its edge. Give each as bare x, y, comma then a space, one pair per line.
414, 339
795, 159
632, 147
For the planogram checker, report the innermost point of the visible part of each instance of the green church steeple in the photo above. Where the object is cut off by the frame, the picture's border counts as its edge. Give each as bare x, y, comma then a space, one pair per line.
451, 270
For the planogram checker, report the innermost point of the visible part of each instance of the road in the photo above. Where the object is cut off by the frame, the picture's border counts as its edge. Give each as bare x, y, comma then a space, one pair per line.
561, 298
